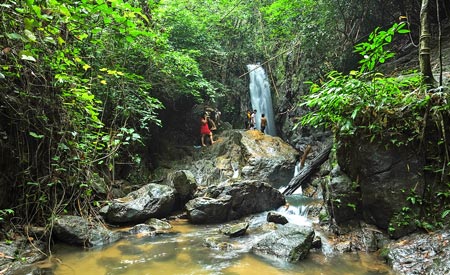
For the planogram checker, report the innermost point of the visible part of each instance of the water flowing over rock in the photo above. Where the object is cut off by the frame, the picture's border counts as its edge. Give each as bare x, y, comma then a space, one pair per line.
261, 98
227, 202
81, 232
424, 254
150, 201
290, 242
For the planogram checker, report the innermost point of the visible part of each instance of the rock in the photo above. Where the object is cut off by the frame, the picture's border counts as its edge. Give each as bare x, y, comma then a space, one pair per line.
208, 210
359, 236
341, 194
238, 155
18, 268
159, 225
228, 202
184, 183
316, 243
19, 256
424, 254
150, 201
269, 158
81, 232
217, 243
385, 176
142, 230
235, 230
289, 242
276, 218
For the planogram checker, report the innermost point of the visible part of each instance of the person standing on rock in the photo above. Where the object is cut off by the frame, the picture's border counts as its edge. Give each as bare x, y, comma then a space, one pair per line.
204, 129
253, 120
248, 118
263, 123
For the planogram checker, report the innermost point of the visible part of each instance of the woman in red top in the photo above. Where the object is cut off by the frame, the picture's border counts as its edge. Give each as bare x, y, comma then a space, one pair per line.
204, 129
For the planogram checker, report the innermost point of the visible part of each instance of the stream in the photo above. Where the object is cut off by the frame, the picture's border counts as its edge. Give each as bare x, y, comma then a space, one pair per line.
182, 251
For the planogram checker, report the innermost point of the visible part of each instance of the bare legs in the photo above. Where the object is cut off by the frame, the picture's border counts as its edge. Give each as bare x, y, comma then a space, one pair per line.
210, 138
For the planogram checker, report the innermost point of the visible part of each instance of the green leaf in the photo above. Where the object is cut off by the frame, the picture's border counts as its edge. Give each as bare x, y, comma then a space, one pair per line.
445, 213
15, 36
33, 134
33, 183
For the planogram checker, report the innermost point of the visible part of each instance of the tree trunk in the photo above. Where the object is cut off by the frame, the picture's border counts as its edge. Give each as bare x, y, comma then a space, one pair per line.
425, 48
297, 181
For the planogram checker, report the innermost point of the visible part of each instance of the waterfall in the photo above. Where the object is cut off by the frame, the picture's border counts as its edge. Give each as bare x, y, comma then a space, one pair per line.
261, 98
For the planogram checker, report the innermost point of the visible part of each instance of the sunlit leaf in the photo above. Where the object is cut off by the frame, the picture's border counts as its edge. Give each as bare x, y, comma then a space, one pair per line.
30, 35
28, 58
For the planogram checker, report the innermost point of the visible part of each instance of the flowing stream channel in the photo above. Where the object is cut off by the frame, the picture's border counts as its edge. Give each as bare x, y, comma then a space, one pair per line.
182, 251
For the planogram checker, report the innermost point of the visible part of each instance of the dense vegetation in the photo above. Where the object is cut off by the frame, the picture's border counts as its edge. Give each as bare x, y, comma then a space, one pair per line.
88, 88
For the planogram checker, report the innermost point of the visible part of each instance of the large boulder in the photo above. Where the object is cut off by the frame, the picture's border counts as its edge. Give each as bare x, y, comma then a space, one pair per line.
288, 242
150, 201
227, 202
78, 231
268, 158
204, 210
237, 155
387, 177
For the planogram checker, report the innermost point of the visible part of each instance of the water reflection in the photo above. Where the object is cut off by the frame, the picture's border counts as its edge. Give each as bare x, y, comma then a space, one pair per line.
183, 251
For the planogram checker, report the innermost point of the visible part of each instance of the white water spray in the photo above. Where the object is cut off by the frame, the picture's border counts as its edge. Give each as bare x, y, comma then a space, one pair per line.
261, 98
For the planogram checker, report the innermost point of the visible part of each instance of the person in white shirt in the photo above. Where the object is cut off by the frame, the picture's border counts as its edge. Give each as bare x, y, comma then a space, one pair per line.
253, 120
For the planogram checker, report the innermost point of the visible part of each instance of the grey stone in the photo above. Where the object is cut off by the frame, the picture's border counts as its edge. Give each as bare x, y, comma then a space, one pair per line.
78, 231
289, 242
150, 201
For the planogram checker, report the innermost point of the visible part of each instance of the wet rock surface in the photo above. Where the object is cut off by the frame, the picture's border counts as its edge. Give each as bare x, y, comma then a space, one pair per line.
424, 254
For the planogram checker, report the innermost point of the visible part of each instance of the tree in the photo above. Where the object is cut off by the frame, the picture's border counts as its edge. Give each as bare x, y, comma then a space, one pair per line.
425, 48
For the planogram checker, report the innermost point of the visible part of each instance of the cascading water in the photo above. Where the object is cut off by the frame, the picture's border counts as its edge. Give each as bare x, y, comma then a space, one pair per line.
261, 98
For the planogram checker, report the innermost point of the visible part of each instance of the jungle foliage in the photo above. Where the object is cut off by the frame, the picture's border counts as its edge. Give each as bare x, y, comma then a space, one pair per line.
400, 110
82, 82
88, 86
